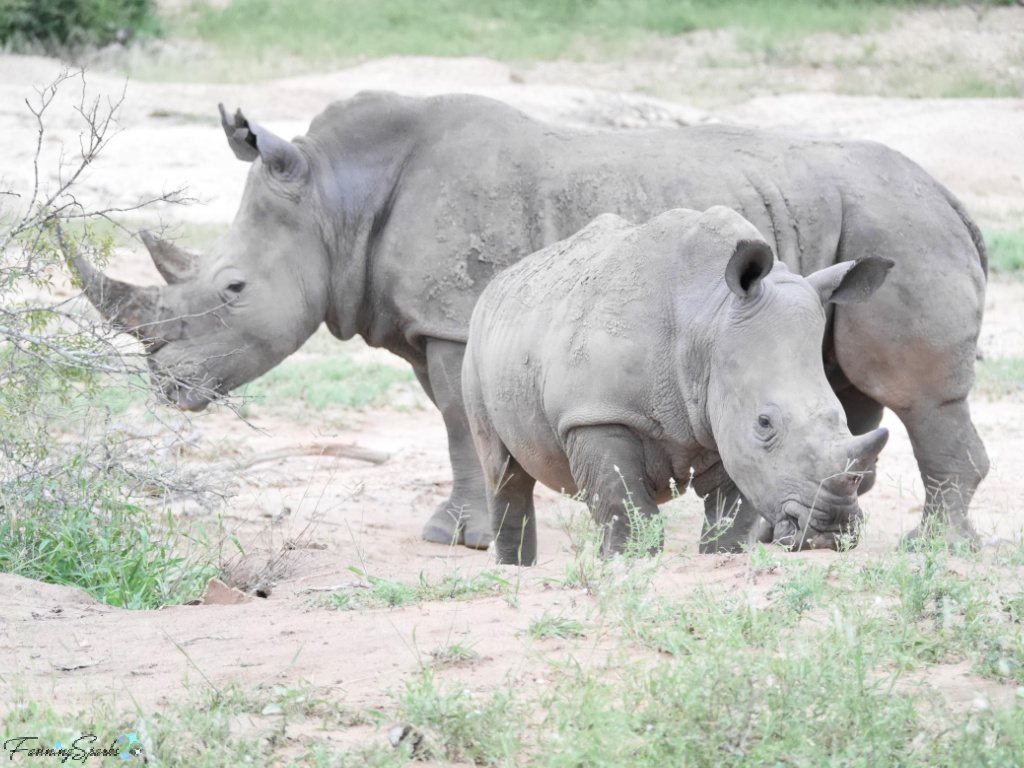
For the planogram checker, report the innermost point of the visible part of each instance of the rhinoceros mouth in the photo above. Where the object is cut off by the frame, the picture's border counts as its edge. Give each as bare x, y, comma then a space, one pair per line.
190, 402
824, 524
181, 393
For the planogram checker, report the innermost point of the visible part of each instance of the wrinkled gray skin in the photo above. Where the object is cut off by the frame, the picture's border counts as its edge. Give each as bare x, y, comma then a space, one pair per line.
392, 214
623, 357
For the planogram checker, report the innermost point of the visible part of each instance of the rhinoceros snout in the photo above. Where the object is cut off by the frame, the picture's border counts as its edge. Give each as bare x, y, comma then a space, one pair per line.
176, 390
800, 528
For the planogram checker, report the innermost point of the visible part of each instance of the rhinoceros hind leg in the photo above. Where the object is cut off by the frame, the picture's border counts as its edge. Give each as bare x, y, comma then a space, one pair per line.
463, 518
953, 463
863, 415
607, 463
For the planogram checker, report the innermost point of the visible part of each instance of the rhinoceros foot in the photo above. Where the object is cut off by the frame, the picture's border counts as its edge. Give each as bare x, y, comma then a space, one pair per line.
954, 528
449, 525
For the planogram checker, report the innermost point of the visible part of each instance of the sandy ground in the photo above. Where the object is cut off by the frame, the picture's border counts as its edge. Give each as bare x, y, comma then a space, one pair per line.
59, 646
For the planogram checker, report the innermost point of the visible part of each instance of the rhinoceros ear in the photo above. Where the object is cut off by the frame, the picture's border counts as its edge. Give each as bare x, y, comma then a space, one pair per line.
750, 264
249, 141
850, 282
241, 140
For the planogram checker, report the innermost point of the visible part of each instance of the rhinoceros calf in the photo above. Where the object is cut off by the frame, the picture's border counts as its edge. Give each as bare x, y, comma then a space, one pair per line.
392, 214
626, 356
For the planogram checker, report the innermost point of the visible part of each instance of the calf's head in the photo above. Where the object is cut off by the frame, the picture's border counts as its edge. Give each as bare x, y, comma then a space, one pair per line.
231, 315
780, 429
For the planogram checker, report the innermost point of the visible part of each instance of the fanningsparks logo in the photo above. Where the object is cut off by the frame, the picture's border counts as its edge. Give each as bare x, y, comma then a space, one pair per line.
126, 747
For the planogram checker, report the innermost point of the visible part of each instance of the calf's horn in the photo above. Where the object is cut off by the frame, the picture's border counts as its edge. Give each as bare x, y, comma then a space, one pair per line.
861, 453
128, 307
175, 264
863, 450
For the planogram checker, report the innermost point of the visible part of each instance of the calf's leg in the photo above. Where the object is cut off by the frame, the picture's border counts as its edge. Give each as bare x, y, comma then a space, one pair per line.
607, 462
513, 518
731, 524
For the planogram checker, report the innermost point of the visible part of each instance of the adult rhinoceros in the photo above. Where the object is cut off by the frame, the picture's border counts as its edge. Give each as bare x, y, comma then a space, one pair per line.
392, 214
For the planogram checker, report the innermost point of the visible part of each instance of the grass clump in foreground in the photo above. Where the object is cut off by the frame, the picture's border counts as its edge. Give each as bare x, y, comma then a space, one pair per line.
374, 592
116, 551
827, 667
326, 30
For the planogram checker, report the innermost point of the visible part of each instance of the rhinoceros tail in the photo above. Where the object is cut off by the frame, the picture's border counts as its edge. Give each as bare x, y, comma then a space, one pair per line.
976, 236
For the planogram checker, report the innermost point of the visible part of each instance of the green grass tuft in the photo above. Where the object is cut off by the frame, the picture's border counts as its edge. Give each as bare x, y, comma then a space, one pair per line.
999, 377
378, 592
319, 382
1005, 250
563, 627
115, 551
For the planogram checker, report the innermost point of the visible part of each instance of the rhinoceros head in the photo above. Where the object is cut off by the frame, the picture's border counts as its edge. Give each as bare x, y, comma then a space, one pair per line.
780, 429
228, 316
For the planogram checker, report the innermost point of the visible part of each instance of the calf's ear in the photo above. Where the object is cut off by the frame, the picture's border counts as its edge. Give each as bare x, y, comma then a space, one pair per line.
850, 282
249, 141
750, 264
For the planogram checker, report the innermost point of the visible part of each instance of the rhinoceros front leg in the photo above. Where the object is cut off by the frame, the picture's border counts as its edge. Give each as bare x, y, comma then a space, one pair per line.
731, 524
462, 518
607, 463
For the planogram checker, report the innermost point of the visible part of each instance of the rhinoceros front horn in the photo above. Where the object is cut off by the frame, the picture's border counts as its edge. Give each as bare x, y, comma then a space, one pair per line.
128, 307
175, 264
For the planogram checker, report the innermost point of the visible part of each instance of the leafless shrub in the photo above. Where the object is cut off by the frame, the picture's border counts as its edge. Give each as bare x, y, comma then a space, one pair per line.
63, 452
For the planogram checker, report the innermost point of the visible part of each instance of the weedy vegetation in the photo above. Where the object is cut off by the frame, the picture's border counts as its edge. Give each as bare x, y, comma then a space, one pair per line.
320, 381
533, 29
805, 662
999, 377
257, 38
371, 592
59, 26
1005, 250
80, 496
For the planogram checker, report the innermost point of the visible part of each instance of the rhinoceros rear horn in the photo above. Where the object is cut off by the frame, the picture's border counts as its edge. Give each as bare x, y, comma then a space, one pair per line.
249, 141
750, 264
128, 307
175, 264
850, 282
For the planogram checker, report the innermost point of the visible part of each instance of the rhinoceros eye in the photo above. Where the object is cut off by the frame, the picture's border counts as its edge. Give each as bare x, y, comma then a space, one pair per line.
766, 428
237, 286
